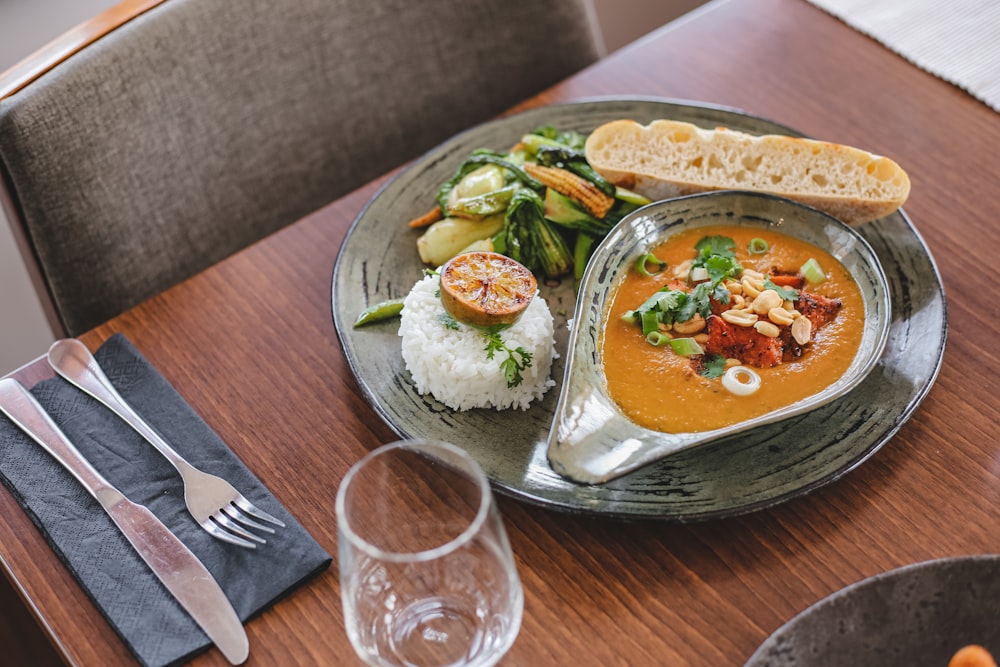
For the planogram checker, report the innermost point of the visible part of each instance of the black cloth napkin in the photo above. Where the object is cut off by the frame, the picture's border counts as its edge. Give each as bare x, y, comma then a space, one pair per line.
154, 625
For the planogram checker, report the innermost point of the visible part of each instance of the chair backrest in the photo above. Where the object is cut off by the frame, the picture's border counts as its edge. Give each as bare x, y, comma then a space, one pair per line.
200, 126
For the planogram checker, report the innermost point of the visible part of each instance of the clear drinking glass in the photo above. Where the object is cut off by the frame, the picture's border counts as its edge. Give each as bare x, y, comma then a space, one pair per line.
426, 572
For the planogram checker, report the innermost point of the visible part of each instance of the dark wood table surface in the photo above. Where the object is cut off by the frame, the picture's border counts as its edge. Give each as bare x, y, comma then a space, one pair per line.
251, 345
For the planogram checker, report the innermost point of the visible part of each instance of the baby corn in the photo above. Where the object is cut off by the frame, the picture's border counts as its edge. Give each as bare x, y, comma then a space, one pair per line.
569, 184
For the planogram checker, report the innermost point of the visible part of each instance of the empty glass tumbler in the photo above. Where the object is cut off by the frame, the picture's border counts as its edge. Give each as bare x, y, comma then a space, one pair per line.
427, 575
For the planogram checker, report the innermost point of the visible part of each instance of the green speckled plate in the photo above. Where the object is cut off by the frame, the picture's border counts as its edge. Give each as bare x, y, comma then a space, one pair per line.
918, 614
760, 468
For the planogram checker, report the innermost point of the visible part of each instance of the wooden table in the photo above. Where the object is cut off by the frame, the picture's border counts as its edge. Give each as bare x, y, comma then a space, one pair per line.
250, 343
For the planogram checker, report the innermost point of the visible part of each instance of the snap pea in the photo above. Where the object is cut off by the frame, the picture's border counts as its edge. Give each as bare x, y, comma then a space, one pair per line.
379, 311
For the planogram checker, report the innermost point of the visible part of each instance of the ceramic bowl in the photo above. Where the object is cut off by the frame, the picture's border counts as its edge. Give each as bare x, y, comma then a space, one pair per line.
591, 441
919, 614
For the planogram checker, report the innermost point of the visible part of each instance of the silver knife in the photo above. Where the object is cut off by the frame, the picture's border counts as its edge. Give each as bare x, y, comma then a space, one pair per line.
171, 561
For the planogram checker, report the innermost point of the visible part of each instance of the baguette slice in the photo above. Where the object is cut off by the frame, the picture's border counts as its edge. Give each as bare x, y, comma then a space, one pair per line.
670, 158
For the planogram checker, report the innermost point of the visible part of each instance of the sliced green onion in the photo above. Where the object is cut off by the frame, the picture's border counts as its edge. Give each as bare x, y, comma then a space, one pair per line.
741, 381
630, 316
650, 322
686, 347
813, 272
631, 197
758, 246
642, 265
657, 339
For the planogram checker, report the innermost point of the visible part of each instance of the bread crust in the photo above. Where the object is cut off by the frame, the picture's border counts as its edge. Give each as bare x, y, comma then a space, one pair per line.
671, 158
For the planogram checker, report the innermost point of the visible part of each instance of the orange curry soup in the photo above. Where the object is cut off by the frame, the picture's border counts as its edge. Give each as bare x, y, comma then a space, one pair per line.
657, 389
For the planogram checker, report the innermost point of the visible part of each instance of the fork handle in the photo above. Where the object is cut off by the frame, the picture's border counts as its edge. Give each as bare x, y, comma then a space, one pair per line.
25, 411
73, 361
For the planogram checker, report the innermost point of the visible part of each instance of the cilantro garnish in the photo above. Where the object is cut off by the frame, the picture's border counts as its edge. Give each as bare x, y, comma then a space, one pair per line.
715, 245
697, 303
713, 366
510, 366
716, 255
720, 267
786, 293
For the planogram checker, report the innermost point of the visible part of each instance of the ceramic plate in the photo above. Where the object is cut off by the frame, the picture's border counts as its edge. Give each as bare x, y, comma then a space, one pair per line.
378, 260
591, 439
920, 614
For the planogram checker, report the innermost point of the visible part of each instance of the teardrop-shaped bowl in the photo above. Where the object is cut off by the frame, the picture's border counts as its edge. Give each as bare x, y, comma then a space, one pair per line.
591, 441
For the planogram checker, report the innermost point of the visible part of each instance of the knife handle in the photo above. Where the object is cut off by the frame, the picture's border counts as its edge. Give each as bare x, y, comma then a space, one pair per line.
21, 407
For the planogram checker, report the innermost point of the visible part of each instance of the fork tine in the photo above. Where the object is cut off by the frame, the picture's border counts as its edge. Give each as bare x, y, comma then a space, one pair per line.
216, 531
222, 519
233, 512
256, 512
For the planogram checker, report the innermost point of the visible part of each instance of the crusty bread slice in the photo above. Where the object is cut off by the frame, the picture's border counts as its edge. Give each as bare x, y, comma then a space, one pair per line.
671, 158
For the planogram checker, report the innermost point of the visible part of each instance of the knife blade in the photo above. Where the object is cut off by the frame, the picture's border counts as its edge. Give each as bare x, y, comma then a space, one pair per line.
180, 571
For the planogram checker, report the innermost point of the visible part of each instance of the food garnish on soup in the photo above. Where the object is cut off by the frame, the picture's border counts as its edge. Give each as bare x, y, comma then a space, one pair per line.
723, 324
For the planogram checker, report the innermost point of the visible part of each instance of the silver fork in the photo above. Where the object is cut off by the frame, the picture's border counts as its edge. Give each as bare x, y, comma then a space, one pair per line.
213, 502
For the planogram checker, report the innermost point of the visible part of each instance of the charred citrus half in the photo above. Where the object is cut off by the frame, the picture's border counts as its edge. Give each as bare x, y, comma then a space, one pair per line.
486, 289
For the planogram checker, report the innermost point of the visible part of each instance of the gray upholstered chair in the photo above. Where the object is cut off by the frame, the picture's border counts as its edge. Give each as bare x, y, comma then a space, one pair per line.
196, 127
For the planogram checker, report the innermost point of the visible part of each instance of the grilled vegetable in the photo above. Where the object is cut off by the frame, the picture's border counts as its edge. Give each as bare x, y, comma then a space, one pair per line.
428, 218
481, 206
576, 162
548, 197
568, 212
550, 136
511, 172
573, 186
530, 239
446, 238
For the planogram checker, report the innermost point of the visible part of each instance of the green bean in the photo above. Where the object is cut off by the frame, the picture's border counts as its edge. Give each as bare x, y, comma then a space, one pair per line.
379, 311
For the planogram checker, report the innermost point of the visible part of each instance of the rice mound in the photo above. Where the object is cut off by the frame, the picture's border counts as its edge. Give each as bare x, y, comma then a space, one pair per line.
451, 364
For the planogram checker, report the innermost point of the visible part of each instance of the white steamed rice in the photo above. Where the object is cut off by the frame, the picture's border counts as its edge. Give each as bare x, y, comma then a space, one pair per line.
451, 364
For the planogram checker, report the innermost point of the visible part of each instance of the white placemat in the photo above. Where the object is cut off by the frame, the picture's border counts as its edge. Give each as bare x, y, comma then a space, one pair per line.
956, 40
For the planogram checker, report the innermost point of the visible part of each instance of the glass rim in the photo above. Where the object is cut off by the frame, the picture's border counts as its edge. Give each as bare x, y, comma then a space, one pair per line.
452, 545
